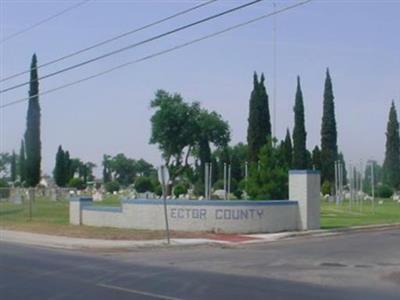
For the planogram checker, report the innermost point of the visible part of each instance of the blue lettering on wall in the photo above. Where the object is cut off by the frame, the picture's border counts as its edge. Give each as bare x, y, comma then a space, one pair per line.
220, 213
188, 213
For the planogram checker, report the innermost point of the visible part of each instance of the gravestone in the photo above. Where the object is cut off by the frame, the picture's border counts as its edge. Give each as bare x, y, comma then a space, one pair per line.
97, 196
15, 196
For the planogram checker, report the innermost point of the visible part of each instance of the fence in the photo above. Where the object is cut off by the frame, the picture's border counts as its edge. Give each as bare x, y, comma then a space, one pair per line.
19, 205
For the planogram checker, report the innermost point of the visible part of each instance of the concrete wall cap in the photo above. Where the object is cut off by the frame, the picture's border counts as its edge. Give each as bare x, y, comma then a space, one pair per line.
299, 172
210, 202
81, 199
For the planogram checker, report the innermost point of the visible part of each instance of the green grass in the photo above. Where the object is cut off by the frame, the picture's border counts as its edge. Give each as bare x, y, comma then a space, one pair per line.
367, 214
41, 210
111, 200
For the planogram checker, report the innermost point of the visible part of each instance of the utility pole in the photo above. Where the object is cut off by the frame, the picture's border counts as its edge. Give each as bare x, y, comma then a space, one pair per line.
275, 76
246, 174
229, 180
225, 185
373, 185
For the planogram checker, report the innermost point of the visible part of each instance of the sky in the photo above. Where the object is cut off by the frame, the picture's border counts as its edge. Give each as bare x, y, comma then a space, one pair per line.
358, 40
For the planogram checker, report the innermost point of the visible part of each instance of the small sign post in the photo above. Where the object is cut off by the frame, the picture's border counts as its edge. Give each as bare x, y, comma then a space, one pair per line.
163, 177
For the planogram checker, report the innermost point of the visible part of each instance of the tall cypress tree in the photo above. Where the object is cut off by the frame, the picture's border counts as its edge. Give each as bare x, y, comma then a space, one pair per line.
59, 173
22, 163
13, 167
329, 149
259, 127
254, 121
32, 133
299, 131
288, 149
265, 123
67, 167
316, 158
391, 165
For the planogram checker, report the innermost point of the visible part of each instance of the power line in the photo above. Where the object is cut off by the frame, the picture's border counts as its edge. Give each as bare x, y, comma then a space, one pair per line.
282, 10
43, 21
225, 12
104, 42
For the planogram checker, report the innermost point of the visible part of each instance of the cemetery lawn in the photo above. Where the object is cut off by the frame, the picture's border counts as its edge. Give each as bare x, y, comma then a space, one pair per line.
341, 217
50, 217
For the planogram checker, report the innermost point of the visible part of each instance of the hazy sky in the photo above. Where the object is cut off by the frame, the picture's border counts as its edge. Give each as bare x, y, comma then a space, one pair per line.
358, 40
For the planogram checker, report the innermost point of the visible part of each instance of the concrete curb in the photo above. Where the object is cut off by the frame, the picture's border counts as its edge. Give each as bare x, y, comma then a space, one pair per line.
52, 241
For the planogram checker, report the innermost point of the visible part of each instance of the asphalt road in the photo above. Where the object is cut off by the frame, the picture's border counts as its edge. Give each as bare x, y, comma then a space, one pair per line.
352, 266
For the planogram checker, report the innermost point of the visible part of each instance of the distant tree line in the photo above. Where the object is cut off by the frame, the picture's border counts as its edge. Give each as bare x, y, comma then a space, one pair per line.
189, 136
72, 171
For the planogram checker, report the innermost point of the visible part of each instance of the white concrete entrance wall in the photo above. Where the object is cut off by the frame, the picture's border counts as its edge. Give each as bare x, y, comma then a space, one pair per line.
299, 213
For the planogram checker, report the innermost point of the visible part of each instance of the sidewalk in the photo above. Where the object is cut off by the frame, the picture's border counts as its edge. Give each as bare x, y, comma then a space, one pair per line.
64, 242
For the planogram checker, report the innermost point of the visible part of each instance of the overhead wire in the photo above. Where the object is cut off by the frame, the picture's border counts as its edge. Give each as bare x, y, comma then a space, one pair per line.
41, 22
112, 39
134, 45
183, 45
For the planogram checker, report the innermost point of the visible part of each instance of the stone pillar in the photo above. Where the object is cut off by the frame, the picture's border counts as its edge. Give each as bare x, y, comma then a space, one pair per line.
75, 209
304, 187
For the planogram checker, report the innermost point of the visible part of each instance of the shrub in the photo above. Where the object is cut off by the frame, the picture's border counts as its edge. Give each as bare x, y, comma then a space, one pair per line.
4, 190
158, 190
180, 189
326, 188
77, 183
384, 191
112, 186
219, 184
238, 193
3, 183
144, 184
198, 188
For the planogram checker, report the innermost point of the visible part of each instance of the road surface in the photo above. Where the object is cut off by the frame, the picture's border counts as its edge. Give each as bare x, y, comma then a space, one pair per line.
351, 266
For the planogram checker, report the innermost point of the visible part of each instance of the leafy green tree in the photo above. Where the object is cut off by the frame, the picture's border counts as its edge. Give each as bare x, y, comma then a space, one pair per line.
13, 167
180, 189
173, 125
112, 186
238, 158
67, 167
210, 129
76, 183
299, 131
22, 163
326, 188
145, 168
144, 184
124, 169
384, 191
391, 165
85, 171
184, 130
107, 173
270, 180
259, 124
235, 156
32, 133
329, 148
